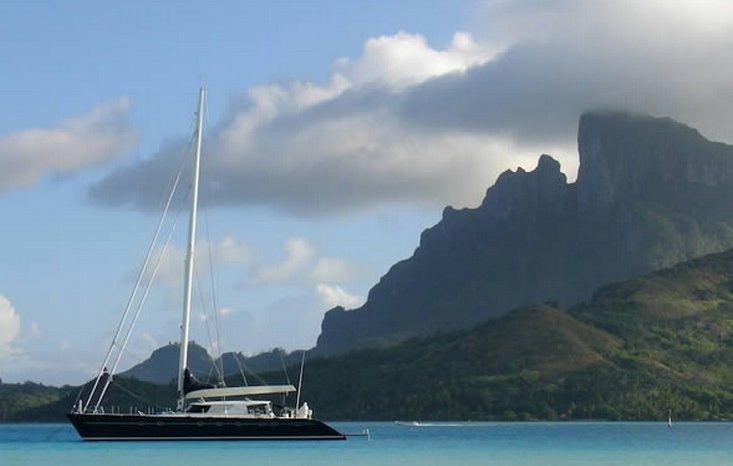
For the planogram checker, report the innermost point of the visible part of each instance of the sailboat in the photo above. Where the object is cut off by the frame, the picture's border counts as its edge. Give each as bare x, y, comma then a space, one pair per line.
203, 412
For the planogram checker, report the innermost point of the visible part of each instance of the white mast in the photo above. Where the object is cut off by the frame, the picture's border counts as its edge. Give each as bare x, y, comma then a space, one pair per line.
188, 277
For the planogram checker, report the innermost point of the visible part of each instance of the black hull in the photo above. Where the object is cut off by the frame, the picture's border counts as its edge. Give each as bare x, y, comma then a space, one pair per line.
104, 427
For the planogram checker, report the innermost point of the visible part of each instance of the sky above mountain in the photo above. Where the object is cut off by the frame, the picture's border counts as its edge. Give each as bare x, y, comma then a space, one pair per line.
335, 132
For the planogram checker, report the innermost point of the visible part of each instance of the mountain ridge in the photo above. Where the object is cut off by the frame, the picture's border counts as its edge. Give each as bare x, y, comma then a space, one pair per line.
162, 365
650, 193
639, 347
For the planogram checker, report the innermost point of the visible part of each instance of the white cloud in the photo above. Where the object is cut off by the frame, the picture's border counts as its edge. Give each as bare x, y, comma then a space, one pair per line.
332, 296
230, 251
9, 328
307, 148
302, 266
569, 56
226, 252
332, 269
404, 59
76, 143
298, 253
407, 122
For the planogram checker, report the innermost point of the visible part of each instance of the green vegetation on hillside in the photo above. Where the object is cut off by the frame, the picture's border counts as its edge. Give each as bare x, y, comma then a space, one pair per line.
34, 402
539, 363
640, 347
19, 399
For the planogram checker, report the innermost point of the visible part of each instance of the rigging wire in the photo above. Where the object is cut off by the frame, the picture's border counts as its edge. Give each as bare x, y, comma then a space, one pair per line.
137, 311
285, 370
212, 269
239, 365
253, 373
211, 370
204, 313
138, 280
138, 397
212, 279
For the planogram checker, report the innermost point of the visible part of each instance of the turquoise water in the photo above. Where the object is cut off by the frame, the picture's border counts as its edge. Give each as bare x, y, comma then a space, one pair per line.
492, 444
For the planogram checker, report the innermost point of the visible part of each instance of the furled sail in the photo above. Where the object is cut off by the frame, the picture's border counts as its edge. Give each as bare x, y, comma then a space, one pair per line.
240, 391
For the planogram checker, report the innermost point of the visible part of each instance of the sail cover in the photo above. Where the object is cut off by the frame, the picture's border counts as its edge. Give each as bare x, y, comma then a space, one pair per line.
191, 383
240, 391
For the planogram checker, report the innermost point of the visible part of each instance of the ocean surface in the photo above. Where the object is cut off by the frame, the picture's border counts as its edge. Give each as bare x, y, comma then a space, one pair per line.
498, 444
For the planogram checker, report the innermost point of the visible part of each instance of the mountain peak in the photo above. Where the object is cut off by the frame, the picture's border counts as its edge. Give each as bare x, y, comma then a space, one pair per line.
650, 193
547, 164
515, 192
162, 365
652, 159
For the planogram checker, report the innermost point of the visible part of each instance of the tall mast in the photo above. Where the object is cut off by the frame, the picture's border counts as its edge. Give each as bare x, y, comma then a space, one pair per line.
188, 278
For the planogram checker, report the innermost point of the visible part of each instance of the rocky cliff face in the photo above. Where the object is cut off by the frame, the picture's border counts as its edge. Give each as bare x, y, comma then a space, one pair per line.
625, 157
650, 193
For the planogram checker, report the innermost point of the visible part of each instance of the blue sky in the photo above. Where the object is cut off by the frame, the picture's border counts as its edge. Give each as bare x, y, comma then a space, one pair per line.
336, 132
67, 263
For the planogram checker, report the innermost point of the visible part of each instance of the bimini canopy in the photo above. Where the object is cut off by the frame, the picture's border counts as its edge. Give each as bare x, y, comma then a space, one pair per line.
240, 391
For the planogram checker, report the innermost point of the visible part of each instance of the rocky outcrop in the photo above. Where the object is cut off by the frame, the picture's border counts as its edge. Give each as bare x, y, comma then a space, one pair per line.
650, 193
625, 157
162, 365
